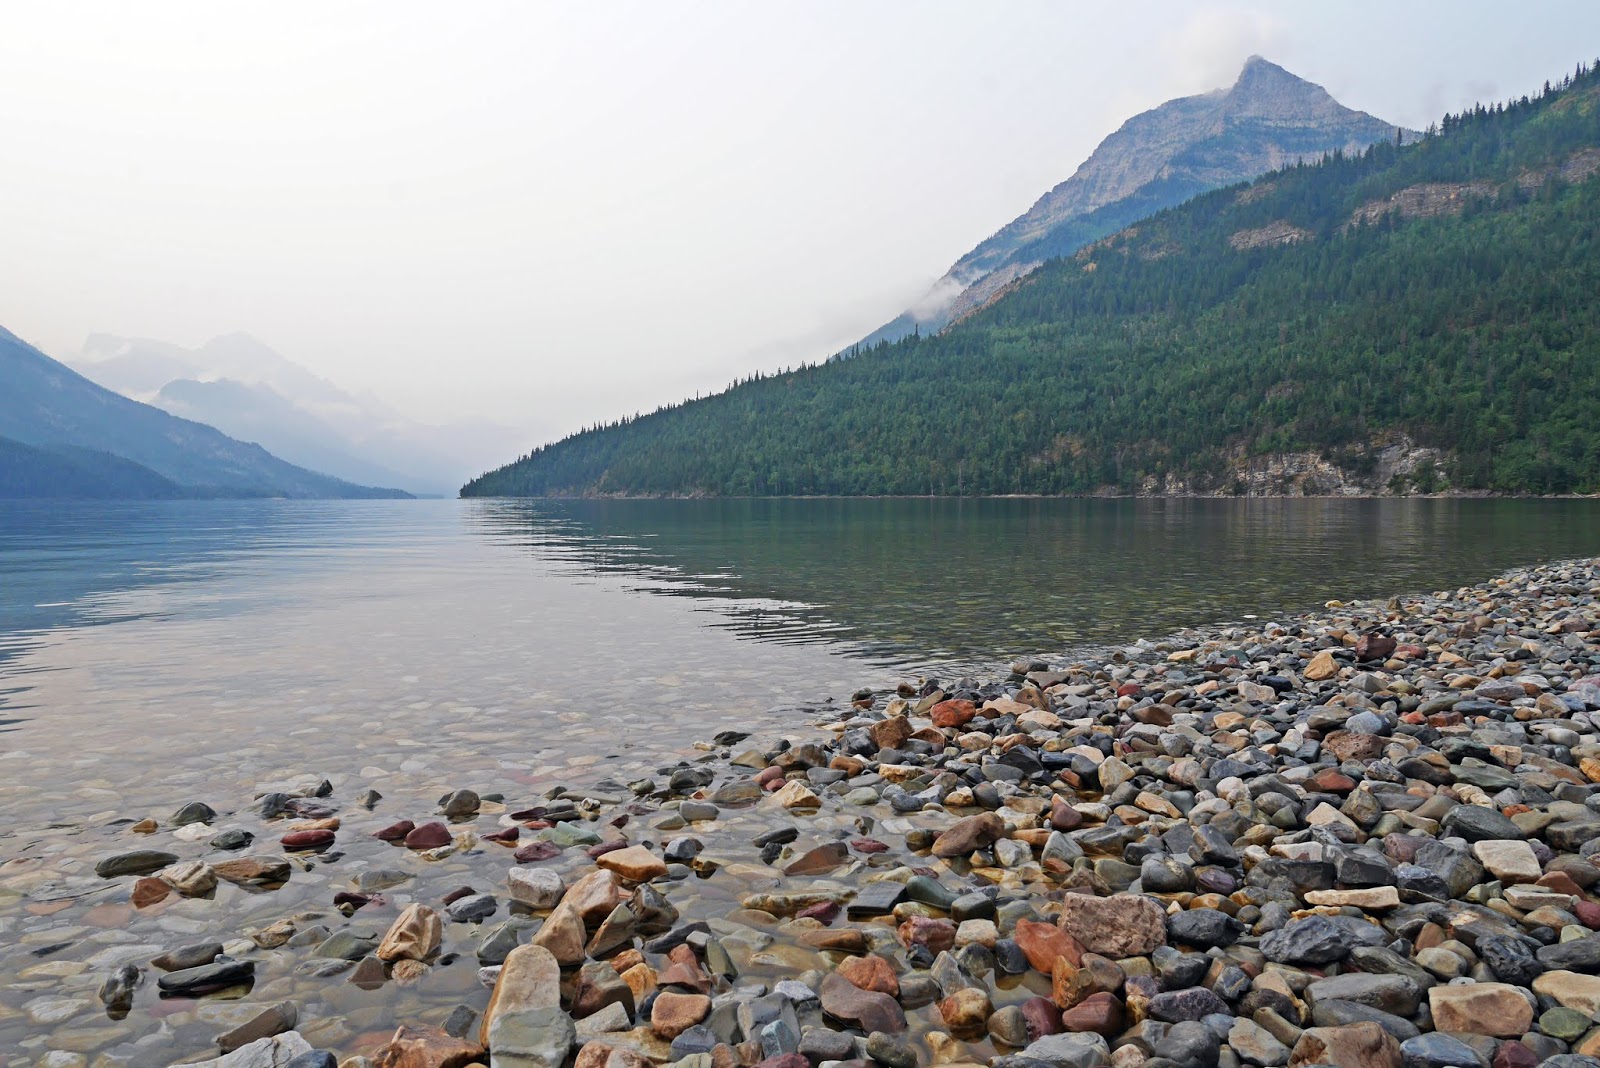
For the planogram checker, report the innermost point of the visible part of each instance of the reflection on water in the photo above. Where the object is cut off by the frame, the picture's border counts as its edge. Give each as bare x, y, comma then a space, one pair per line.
941, 583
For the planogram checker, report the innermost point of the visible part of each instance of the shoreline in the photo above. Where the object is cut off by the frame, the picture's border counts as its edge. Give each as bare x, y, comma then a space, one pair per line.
1239, 843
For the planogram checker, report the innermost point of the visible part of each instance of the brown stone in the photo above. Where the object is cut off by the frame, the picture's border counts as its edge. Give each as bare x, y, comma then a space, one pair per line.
969, 834
414, 935
966, 1012
844, 940
871, 973
597, 1054
673, 1014
1070, 986
937, 935
641, 979
423, 1046
149, 890
1360, 1045
815, 861
634, 863
597, 985
1375, 647
273, 1020
891, 733
864, 1009
1322, 666
1496, 1009
563, 935
1063, 817
595, 895
1126, 925
1346, 745
1045, 943
529, 979
253, 871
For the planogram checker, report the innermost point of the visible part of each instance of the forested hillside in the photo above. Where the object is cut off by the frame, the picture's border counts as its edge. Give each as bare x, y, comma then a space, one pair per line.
66, 472
1423, 317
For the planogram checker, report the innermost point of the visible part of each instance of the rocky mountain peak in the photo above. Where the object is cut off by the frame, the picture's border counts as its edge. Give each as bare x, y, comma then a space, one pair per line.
1269, 118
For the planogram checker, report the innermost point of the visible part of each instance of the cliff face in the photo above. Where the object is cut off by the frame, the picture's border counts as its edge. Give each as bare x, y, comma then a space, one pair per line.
1266, 120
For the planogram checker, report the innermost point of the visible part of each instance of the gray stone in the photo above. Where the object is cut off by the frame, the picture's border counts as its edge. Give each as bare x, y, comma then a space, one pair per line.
1069, 1051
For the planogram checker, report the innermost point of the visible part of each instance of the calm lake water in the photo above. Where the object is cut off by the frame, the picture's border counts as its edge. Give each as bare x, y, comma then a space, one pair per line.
153, 654
262, 633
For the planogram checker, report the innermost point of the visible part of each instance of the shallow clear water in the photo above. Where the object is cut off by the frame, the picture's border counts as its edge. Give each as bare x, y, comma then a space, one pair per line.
152, 654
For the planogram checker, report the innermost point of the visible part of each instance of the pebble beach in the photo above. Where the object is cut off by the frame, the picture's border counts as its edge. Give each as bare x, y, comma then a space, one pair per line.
1362, 836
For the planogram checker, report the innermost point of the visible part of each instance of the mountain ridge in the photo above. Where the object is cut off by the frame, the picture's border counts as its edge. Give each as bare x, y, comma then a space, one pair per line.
248, 390
1411, 319
1267, 119
54, 410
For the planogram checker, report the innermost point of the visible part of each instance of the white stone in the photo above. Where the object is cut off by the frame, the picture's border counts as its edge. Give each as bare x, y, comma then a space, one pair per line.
1510, 861
538, 888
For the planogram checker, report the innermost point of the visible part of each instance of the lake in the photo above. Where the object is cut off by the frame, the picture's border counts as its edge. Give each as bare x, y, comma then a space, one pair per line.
155, 653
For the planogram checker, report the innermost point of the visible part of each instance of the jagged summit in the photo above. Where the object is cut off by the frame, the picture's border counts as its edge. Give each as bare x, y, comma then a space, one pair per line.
1267, 119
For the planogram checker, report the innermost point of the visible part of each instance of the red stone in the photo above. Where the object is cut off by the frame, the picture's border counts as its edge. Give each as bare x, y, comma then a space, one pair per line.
1042, 943
1514, 1054
297, 840
870, 973
1561, 883
603, 848
1042, 1016
824, 912
505, 837
1588, 914
354, 900
1375, 647
536, 851
957, 713
1130, 689
1332, 781
868, 845
395, 832
1100, 1013
457, 894
785, 1060
770, 775
428, 836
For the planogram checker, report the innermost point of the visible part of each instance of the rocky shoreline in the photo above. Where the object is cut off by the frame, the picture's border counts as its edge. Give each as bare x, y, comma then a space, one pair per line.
1360, 837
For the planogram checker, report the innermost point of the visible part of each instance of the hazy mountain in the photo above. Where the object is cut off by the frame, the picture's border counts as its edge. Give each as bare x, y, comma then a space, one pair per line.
90, 435
1268, 119
252, 392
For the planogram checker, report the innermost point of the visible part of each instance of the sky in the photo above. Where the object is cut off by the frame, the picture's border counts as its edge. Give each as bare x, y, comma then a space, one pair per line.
547, 215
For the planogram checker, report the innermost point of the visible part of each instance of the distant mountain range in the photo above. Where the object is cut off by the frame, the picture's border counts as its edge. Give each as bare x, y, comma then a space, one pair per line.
1411, 318
63, 436
1268, 119
251, 392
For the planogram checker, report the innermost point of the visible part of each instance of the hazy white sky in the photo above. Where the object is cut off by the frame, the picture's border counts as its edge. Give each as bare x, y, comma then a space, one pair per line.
552, 214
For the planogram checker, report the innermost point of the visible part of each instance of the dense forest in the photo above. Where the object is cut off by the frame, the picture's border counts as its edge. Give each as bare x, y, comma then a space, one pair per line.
1445, 293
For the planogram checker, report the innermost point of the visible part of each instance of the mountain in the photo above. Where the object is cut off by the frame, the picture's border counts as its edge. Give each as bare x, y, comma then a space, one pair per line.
67, 472
249, 391
1267, 120
1411, 318
108, 445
